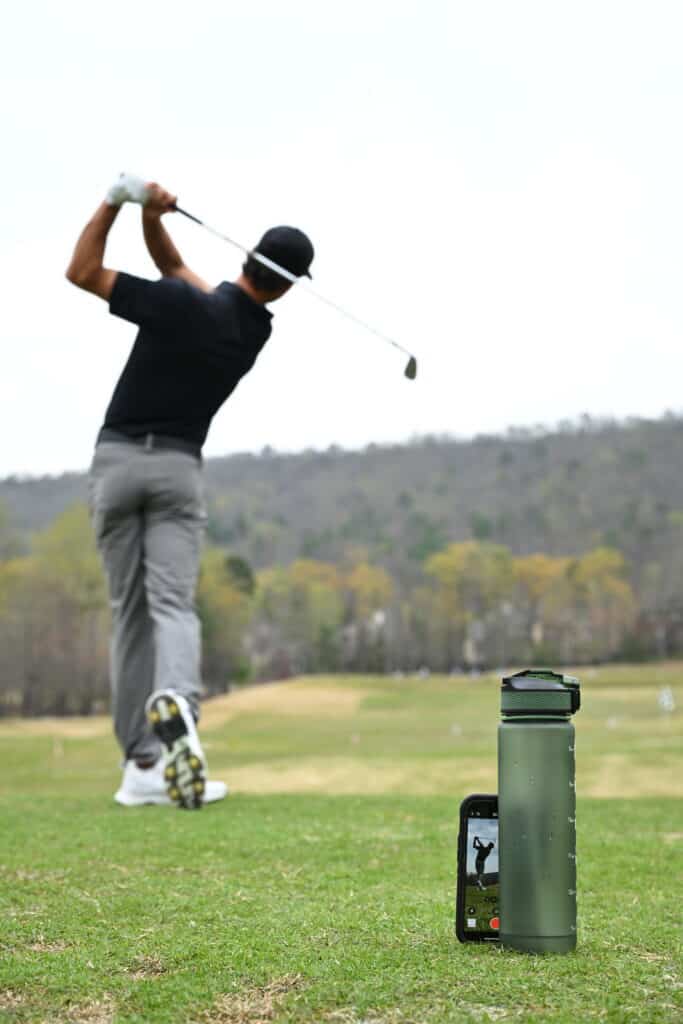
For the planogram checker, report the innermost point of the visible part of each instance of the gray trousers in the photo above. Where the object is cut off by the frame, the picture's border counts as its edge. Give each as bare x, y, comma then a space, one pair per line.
148, 514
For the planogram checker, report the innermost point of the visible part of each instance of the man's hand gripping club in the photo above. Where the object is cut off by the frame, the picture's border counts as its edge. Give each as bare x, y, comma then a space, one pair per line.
128, 188
86, 269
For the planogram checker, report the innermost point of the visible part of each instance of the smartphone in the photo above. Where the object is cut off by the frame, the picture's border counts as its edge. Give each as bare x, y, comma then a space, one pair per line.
477, 913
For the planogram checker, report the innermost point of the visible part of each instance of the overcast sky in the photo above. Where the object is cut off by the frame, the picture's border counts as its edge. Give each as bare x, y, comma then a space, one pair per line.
496, 184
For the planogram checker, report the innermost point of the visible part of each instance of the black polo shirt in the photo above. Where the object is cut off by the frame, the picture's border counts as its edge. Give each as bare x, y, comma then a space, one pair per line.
190, 353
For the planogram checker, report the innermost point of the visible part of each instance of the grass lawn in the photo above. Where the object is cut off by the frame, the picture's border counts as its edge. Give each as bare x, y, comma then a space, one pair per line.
322, 890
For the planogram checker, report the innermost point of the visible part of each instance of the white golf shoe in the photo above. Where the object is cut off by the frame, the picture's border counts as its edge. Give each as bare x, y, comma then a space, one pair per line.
140, 786
184, 770
148, 786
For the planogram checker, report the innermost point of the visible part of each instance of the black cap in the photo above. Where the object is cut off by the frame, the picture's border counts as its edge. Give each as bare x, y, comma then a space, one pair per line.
288, 247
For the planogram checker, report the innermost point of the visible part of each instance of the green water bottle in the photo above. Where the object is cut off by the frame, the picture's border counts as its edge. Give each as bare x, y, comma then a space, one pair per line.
537, 812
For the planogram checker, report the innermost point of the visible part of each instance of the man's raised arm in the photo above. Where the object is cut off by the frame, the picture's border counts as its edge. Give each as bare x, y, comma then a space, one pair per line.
161, 248
86, 270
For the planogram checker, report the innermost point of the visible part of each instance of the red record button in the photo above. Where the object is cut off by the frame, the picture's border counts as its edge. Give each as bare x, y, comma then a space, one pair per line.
495, 923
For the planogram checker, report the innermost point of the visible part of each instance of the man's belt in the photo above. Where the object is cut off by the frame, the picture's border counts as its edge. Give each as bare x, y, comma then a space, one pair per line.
151, 442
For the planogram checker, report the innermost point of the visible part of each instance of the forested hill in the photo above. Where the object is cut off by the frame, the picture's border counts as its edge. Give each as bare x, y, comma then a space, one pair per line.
560, 492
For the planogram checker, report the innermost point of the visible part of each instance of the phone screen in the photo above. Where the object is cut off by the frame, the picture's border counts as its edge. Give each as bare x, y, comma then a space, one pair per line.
481, 911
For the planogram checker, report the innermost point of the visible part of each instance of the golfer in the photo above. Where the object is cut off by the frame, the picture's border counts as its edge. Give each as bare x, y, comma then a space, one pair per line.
194, 344
483, 850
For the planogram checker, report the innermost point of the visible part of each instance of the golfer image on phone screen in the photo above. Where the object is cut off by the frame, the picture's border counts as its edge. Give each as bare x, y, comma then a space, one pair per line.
483, 850
194, 343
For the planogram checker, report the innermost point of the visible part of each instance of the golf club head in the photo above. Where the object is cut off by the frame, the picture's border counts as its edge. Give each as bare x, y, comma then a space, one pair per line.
411, 369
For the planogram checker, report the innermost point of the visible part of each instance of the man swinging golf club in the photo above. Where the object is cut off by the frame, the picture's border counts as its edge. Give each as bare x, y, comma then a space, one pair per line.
194, 343
483, 850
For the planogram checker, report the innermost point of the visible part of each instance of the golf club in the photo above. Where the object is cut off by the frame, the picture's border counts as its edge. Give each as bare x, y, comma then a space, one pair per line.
411, 369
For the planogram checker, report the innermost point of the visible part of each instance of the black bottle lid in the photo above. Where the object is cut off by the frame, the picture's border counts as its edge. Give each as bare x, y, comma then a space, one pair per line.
540, 692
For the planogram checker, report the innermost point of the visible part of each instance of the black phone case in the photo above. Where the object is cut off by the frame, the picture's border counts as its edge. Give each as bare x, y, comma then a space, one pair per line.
460, 932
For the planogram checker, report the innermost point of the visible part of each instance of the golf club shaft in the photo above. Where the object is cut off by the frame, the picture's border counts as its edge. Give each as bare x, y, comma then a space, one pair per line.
294, 280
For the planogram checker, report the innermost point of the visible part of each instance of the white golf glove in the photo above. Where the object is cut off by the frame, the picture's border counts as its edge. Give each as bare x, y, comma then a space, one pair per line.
127, 189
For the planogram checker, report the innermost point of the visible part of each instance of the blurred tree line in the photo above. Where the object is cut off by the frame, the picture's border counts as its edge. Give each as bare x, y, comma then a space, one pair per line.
547, 546
474, 604
586, 484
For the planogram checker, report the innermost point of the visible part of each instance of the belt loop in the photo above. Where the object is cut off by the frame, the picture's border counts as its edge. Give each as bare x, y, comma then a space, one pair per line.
149, 442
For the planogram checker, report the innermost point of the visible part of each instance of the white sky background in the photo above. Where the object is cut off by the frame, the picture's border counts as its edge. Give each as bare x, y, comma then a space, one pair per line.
495, 184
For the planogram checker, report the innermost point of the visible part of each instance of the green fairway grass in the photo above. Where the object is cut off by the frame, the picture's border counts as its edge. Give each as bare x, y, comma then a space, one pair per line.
481, 904
323, 889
